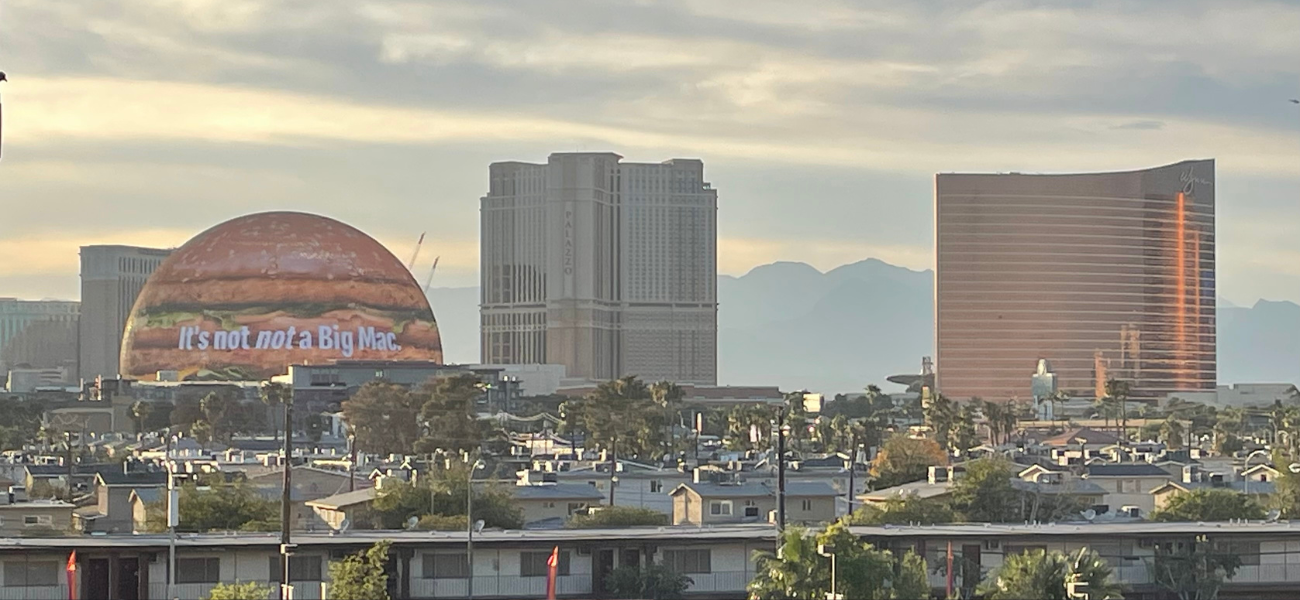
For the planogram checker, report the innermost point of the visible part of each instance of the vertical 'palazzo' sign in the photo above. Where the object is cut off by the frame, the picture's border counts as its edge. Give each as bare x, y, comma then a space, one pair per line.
568, 249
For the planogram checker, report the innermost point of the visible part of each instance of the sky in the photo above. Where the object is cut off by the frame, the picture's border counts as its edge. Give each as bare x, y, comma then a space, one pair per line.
820, 122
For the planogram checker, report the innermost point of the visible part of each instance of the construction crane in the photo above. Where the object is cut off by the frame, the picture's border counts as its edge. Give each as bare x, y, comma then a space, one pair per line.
428, 282
416, 254
2, 118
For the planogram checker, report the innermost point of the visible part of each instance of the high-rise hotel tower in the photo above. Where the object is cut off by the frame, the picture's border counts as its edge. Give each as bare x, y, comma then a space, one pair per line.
1105, 275
604, 266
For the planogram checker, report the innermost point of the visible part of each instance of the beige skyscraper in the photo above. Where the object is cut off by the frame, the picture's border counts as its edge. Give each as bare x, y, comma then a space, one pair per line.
606, 267
111, 278
1106, 275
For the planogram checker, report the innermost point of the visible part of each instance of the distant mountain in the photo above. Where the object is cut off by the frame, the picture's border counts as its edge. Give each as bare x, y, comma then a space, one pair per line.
789, 324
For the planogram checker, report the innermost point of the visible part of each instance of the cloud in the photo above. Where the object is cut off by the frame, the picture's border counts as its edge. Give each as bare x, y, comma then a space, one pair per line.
1140, 125
821, 123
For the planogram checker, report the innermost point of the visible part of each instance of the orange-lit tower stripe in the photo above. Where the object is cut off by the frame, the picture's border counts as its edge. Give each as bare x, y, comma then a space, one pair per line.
1180, 311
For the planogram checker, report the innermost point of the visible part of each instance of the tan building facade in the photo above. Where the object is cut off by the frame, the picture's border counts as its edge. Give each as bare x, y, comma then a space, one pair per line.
606, 267
1105, 275
111, 278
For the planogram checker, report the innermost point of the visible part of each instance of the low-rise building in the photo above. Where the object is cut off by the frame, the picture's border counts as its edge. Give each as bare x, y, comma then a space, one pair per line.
343, 511
22, 517
549, 505
722, 503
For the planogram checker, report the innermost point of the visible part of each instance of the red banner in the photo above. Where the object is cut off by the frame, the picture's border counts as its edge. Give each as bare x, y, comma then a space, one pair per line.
553, 565
72, 575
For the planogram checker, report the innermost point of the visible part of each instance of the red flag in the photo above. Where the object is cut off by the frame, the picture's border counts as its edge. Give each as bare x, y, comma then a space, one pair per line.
72, 575
554, 565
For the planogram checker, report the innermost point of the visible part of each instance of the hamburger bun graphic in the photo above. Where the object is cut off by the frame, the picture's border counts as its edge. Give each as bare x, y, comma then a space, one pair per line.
245, 299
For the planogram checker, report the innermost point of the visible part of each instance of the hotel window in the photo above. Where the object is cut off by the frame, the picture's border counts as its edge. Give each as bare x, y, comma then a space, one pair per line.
31, 574
199, 570
720, 508
689, 561
446, 566
533, 564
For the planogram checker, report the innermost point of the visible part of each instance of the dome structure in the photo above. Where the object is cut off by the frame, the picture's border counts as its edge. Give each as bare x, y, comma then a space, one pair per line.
246, 298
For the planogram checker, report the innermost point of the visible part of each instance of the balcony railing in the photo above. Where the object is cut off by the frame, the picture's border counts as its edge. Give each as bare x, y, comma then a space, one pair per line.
501, 586
42, 592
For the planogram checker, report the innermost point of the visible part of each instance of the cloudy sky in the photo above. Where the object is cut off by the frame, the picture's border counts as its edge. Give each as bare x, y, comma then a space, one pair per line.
820, 122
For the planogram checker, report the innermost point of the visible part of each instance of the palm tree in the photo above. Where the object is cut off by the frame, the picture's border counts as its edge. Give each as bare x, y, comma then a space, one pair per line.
668, 396
140, 411
1172, 433
275, 394
1118, 391
796, 571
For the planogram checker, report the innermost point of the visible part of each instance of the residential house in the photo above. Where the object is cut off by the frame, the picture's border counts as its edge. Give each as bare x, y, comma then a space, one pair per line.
309, 484
113, 511
549, 505
141, 499
1129, 484
342, 511
1259, 490
21, 516
937, 484
1262, 472
636, 484
1077, 445
721, 503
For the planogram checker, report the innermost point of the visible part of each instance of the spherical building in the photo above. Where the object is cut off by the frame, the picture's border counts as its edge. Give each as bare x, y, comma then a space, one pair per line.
245, 299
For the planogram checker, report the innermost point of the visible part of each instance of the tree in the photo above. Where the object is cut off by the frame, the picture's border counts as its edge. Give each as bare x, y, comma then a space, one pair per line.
385, 417
273, 395
1172, 432
964, 436
224, 415
743, 419
1039, 575
140, 413
445, 489
1193, 570
621, 416
798, 571
249, 590
361, 576
217, 507
1209, 505
450, 414
668, 396
903, 511
617, 516
985, 494
1117, 391
903, 459
653, 582
941, 416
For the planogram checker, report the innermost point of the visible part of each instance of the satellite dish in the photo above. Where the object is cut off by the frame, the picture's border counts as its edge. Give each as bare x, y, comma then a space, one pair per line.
1272, 516
343, 526
1089, 514
412, 522
478, 526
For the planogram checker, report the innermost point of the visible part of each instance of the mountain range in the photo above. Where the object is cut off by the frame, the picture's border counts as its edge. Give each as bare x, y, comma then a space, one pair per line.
788, 324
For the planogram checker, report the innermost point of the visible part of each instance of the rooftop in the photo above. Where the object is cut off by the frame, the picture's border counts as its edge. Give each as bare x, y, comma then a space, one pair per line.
1126, 470
559, 491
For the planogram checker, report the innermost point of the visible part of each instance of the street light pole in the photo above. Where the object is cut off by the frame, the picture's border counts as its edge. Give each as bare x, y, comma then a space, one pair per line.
352, 460
469, 527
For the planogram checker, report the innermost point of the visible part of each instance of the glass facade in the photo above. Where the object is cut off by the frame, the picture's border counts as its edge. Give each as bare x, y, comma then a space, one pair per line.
1106, 275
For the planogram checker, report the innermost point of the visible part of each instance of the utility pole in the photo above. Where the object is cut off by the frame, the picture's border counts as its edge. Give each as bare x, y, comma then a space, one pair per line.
780, 470
173, 518
613, 469
286, 506
67, 438
352, 461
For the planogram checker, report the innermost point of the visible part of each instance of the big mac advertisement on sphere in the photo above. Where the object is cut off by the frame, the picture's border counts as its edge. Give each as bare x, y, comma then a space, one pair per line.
245, 299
